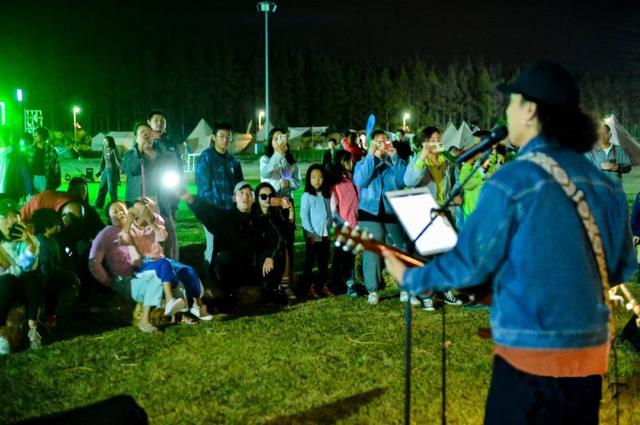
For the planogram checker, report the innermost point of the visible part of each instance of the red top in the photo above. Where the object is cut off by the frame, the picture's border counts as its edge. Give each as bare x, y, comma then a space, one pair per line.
356, 151
344, 199
47, 199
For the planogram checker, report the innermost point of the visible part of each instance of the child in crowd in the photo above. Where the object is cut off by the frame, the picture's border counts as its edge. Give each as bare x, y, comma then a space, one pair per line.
143, 231
18, 278
53, 276
315, 214
344, 203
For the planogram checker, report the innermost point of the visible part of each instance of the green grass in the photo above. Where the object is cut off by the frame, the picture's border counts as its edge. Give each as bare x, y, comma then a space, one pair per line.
329, 361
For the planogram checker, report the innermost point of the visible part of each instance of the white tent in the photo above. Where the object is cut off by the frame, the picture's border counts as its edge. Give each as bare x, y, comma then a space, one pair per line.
200, 137
465, 136
123, 139
295, 132
621, 137
450, 136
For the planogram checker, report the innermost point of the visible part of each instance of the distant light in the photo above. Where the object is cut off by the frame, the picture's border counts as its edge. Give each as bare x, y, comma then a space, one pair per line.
76, 109
261, 114
3, 114
19, 95
406, 116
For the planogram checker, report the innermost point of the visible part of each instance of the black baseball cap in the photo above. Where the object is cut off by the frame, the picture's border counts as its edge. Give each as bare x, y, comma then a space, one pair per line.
545, 82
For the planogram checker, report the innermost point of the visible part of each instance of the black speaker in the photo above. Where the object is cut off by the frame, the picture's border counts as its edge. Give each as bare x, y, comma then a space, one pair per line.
121, 410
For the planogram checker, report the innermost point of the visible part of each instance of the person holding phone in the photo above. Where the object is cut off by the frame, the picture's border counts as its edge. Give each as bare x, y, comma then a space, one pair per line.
279, 168
609, 158
274, 220
19, 282
277, 165
379, 172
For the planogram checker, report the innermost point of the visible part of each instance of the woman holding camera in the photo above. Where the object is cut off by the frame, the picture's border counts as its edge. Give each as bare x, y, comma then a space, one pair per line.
274, 220
279, 168
19, 251
277, 165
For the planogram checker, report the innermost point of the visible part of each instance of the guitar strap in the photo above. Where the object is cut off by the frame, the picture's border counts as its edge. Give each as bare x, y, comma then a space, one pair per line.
584, 212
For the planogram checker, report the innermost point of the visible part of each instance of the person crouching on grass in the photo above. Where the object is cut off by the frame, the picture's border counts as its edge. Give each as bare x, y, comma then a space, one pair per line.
143, 231
315, 215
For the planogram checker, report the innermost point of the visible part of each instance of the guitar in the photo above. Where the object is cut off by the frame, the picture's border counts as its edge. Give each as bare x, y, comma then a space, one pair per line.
356, 240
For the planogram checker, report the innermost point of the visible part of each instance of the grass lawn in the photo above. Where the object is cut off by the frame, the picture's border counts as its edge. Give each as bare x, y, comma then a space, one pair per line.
328, 361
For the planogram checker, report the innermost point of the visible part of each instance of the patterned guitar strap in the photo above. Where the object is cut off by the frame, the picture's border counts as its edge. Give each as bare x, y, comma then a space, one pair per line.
584, 212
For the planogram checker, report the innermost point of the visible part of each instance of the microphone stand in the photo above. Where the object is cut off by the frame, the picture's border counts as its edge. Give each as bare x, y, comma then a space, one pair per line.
455, 191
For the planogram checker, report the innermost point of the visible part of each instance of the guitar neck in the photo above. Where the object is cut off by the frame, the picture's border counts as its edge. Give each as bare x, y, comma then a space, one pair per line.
377, 247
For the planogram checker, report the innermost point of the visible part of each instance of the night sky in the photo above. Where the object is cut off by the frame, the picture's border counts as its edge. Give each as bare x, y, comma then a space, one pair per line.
585, 36
603, 35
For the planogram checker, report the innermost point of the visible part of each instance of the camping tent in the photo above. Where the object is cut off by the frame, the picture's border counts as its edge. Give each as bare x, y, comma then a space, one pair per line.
449, 136
620, 136
200, 137
123, 139
465, 136
261, 136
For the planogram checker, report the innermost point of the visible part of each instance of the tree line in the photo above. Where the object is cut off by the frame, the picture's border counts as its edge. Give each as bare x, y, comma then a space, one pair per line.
226, 83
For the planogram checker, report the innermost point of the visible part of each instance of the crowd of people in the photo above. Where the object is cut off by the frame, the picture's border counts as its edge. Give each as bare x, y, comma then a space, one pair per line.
58, 241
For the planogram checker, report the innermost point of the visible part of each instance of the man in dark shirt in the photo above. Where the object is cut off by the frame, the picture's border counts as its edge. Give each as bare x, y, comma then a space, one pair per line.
241, 259
402, 146
329, 155
217, 173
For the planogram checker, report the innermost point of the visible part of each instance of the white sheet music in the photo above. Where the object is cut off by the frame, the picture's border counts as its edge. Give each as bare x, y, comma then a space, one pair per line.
413, 210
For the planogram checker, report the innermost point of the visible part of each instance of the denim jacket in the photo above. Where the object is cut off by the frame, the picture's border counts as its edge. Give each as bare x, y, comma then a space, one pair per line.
315, 215
374, 178
526, 238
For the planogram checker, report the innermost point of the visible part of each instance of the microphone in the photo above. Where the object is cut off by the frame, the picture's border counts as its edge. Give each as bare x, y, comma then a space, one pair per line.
497, 134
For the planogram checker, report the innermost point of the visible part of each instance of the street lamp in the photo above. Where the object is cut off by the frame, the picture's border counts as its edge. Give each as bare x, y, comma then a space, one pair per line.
76, 111
260, 116
266, 7
405, 117
19, 95
3, 114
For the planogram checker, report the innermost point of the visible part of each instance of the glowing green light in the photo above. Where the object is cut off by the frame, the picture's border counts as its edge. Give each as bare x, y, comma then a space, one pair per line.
19, 95
3, 114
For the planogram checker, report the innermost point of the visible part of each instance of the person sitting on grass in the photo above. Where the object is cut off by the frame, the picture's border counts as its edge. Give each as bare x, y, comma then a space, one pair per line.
315, 215
143, 231
239, 261
53, 276
119, 275
274, 218
18, 277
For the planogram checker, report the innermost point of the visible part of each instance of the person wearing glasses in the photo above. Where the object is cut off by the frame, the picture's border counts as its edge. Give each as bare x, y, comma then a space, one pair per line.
217, 173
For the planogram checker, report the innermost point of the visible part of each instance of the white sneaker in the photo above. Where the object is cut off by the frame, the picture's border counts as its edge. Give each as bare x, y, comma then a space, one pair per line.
373, 298
195, 310
35, 340
174, 305
5, 348
427, 304
450, 299
404, 296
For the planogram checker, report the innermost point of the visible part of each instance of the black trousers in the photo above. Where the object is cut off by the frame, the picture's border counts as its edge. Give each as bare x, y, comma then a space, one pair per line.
25, 289
342, 268
233, 271
316, 252
517, 397
53, 283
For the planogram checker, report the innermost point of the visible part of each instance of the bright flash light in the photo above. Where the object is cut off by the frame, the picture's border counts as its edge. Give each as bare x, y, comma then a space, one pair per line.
170, 179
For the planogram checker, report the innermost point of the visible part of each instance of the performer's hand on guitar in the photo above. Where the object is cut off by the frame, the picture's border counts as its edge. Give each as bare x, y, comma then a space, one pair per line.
396, 267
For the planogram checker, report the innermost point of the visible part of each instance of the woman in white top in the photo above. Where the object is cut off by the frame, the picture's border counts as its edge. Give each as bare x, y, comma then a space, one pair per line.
277, 165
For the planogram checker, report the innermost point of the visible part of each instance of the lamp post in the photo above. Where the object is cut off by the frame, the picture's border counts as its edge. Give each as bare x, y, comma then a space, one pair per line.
76, 111
260, 116
405, 117
3, 113
266, 7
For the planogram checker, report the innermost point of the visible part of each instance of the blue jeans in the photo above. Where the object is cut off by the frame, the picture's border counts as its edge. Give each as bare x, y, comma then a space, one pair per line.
389, 233
108, 181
